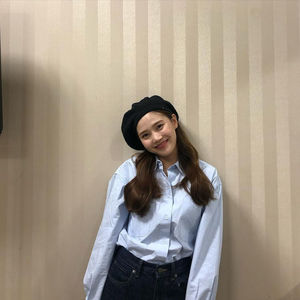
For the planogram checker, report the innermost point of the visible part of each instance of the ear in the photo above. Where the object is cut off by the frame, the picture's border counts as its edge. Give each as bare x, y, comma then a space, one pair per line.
174, 121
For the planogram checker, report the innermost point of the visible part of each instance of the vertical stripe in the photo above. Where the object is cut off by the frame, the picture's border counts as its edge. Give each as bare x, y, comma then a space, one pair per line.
104, 61
66, 196
204, 62
231, 176
129, 53
39, 133
283, 147
104, 53
269, 122
116, 52
92, 105
5, 178
53, 202
293, 50
116, 75
141, 49
129, 62
26, 189
78, 106
78, 110
243, 112
103, 90
243, 105
217, 86
256, 146
167, 46
192, 93
256, 117
88, 21
154, 47
179, 63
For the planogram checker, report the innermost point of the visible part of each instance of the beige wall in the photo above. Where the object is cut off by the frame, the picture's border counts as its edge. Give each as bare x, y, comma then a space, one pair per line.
71, 69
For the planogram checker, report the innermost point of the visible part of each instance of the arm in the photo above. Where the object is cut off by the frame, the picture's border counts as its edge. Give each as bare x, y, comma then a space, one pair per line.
203, 278
114, 218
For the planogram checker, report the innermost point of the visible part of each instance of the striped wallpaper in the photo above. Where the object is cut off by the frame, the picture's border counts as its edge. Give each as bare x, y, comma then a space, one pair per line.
71, 68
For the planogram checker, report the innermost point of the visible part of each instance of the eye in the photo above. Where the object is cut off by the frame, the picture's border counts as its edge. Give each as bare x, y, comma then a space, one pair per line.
160, 126
144, 136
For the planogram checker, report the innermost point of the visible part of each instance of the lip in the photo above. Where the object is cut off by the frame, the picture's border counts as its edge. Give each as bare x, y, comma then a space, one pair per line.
161, 145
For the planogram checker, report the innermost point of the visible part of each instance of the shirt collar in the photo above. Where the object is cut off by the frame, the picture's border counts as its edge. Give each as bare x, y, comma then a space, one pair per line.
159, 165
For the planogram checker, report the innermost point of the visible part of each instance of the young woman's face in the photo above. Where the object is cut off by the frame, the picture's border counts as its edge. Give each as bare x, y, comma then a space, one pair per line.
157, 133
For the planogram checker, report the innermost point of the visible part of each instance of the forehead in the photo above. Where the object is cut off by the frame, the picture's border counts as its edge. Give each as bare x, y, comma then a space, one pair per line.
149, 119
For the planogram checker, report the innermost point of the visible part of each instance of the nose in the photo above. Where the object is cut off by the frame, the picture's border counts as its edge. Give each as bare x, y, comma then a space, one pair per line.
156, 136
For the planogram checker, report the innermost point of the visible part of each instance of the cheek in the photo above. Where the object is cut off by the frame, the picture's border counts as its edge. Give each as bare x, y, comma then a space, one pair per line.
145, 144
171, 132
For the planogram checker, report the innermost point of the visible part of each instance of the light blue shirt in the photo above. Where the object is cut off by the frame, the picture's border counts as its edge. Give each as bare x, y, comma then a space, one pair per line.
175, 227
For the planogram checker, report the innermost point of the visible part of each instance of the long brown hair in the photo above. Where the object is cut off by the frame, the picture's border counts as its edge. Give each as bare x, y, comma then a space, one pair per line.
143, 188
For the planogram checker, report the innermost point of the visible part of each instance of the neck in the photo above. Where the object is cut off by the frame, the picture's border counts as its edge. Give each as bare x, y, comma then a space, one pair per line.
168, 161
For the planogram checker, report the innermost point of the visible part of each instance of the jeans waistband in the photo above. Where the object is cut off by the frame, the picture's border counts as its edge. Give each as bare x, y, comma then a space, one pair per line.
173, 268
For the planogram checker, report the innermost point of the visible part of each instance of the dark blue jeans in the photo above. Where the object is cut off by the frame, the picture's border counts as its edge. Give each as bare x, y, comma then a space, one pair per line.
131, 278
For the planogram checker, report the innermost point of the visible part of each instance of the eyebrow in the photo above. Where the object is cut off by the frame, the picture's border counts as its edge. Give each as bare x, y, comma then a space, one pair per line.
151, 126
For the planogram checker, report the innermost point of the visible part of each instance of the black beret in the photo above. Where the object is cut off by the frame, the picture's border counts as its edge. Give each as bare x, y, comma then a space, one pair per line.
137, 111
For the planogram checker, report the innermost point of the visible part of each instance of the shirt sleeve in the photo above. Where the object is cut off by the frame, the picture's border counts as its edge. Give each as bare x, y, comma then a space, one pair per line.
114, 217
203, 278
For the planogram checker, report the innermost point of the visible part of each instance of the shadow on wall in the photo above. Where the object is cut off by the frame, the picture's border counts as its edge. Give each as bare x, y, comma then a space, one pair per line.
294, 294
16, 101
28, 96
32, 99
248, 270
32, 96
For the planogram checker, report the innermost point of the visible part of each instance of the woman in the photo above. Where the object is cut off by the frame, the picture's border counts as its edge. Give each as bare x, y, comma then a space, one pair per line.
161, 232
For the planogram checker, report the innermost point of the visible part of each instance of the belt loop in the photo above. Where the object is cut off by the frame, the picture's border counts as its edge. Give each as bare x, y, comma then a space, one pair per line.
173, 271
173, 268
139, 268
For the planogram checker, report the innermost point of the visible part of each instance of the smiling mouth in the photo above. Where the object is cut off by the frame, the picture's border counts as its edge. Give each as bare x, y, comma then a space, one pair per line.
161, 145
